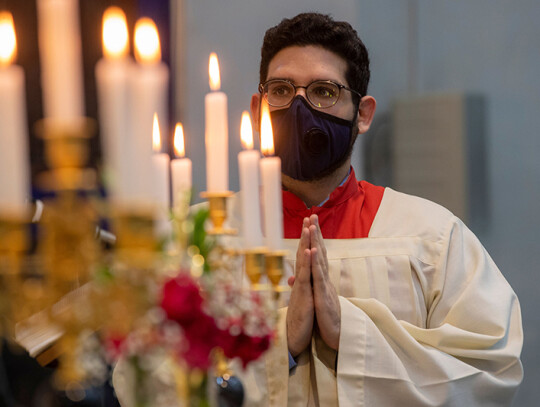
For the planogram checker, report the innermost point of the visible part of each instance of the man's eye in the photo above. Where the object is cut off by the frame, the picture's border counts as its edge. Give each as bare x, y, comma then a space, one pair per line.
280, 91
324, 92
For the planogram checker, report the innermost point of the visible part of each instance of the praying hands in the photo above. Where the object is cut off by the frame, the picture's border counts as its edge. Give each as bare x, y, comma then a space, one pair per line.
314, 301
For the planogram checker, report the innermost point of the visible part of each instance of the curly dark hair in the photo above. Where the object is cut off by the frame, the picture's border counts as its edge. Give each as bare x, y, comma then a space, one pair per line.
320, 29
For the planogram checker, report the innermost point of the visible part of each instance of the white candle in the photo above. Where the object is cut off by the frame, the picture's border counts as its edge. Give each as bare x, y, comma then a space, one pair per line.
61, 59
216, 133
248, 166
160, 183
181, 168
14, 157
161, 170
149, 81
271, 185
112, 86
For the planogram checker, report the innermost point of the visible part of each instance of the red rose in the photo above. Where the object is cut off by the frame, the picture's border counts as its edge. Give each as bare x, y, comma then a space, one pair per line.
227, 342
247, 348
181, 299
202, 336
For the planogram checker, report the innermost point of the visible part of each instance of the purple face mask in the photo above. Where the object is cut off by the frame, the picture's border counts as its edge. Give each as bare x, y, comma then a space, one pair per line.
309, 142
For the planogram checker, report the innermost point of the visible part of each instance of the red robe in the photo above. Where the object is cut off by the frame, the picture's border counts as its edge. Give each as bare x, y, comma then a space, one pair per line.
347, 214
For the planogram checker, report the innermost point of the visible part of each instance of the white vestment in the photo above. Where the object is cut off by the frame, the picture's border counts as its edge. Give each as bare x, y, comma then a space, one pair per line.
427, 319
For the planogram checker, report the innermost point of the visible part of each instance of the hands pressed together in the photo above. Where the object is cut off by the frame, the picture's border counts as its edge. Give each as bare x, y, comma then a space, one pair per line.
314, 303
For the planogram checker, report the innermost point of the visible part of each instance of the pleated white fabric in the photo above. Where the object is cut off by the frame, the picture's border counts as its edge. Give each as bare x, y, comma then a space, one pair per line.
427, 319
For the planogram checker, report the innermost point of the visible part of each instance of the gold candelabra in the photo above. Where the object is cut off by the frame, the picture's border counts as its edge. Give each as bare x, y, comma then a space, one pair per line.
67, 249
13, 245
68, 258
258, 261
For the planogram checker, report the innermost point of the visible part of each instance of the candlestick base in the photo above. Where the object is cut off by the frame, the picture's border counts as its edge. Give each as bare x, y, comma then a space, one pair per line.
275, 268
67, 153
135, 233
218, 211
255, 265
13, 244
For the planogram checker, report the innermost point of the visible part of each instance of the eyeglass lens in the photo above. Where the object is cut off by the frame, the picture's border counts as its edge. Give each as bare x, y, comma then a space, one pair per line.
320, 94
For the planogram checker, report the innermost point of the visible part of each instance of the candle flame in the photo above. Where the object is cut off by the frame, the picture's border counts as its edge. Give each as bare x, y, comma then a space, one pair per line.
156, 136
179, 149
147, 46
246, 131
115, 33
8, 40
267, 137
213, 70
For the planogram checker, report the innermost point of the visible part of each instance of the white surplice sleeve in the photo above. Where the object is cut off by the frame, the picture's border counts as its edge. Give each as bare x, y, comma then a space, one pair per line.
467, 352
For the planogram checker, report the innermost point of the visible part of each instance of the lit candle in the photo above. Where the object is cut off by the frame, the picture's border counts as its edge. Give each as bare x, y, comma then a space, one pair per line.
248, 166
180, 168
216, 133
14, 157
149, 81
61, 59
160, 182
161, 169
112, 73
271, 184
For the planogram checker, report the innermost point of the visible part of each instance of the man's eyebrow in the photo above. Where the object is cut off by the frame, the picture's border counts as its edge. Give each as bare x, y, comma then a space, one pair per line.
282, 78
272, 78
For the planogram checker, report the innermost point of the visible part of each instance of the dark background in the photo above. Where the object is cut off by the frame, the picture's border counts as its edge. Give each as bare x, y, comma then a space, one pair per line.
23, 382
91, 12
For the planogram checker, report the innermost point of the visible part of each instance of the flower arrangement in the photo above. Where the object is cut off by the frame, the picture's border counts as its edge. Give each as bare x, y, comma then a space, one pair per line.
197, 312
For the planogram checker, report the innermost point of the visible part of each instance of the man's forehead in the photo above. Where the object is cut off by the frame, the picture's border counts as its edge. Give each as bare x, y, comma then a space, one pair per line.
304, 64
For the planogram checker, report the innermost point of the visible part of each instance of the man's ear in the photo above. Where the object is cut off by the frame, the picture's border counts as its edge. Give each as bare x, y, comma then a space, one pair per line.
255, 106
366, 111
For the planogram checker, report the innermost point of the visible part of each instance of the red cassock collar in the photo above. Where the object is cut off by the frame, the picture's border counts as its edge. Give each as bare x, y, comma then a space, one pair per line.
347, 214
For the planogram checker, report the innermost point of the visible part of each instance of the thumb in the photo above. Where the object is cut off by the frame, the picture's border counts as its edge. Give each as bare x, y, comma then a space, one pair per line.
290, 281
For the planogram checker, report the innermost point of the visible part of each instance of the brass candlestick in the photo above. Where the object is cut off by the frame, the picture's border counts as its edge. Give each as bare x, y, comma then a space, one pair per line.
275, 268
255, 266
218, 211
136, 244
13, 244
134, 264
68, 249
66, 154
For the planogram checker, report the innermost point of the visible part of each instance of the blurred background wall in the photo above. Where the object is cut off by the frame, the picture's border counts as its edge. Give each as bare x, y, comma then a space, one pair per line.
489, 48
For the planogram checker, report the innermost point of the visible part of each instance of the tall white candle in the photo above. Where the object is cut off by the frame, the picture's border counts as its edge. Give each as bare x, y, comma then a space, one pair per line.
149, 81
160, 183
14, 157
61, 59
271, 184
160, 161
112, 86
248, 166
216, 133
181, 168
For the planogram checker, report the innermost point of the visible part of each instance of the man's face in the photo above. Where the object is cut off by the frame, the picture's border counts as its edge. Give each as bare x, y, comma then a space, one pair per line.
303, 65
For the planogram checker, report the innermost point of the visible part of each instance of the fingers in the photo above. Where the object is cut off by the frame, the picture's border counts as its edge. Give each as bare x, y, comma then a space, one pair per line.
316, 238
303, 245
303, 272
317, 269
304, 242
317, 242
